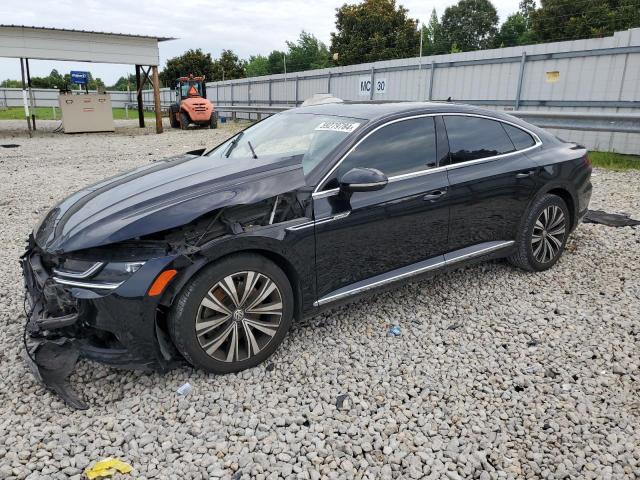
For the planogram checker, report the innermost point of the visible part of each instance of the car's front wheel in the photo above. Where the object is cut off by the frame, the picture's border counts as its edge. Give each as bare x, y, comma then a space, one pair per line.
542, 241
233, 315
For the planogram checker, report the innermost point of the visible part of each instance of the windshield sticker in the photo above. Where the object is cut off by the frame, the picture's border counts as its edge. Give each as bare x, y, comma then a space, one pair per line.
346, 127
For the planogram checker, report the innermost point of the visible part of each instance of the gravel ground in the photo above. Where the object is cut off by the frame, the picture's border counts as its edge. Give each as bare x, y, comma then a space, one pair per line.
497, 373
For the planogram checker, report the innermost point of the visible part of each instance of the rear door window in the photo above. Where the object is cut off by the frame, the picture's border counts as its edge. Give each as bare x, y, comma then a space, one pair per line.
397, 148
472, 138
519, 137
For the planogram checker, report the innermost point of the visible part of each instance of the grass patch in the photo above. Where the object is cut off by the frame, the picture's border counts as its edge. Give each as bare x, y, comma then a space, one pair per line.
46, 113
614, 161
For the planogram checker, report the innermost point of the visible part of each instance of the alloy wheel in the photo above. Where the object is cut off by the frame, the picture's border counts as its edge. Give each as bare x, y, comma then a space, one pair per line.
548, 234
239, 316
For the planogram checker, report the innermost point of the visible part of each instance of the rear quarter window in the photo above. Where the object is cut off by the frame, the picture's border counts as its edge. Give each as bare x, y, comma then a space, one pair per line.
519, 137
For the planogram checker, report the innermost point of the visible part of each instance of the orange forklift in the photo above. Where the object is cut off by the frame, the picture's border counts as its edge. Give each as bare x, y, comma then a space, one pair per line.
191, 105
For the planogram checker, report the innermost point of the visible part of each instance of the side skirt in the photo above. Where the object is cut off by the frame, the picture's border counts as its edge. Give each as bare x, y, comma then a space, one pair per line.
435, 263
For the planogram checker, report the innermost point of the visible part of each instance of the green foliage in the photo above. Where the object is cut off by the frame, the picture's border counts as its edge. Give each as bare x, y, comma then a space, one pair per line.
276, 61
8, 83
561, 20
192, 61
513, 31
228, 66
374, 30
470, 25
46, 113
614, 161
257, 66
438, 43
54, 80
127, 83
307, 53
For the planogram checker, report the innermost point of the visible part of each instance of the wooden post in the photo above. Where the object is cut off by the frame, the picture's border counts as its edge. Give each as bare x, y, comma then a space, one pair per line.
139, 96
156, 97
31, 99
24, 97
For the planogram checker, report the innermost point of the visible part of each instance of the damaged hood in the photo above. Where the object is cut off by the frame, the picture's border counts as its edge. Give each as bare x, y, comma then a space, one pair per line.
161, 196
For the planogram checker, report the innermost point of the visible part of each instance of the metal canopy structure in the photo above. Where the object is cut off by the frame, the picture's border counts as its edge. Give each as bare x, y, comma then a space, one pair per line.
43, 43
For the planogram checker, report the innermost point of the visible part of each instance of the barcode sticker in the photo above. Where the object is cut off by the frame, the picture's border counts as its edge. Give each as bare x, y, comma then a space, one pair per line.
346, 127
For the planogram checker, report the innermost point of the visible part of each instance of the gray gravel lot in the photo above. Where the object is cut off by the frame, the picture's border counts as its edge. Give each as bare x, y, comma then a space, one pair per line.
497, 374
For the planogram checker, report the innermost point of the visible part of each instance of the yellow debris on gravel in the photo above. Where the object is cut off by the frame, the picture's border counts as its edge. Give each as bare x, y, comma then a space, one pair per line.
107, 468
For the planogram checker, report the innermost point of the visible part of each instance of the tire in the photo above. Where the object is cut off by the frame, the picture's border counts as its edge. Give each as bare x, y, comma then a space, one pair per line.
213, 123
544, 236
173, 118
184, 120
211, 348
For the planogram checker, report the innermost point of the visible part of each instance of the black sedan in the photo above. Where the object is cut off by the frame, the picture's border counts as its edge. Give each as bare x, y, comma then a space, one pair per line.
210, 256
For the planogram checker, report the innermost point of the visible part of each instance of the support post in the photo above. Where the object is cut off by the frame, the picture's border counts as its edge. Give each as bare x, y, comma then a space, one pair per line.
24, 97
432, 76
373, 75
329, 82
295, 93
139, 97
520, 77
270, 82
249, 94
156, 97
32, 101
232, 95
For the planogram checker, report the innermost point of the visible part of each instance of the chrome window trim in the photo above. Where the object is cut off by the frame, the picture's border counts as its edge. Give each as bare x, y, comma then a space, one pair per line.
89, 285
326, 193
87, 273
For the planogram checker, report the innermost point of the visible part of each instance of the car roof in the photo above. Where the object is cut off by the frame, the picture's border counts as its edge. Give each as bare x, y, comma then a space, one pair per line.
374, 111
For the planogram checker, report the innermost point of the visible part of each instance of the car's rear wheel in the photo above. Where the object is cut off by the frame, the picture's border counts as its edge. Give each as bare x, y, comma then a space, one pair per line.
233, 315
545, 233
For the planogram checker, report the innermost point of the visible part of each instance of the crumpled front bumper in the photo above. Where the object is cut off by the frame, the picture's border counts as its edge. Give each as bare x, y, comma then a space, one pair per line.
119, 328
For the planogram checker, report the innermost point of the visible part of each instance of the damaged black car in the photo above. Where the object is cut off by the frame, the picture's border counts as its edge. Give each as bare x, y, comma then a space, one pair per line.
208, 257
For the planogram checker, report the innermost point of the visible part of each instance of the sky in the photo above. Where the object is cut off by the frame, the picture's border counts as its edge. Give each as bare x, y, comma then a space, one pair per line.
247, 27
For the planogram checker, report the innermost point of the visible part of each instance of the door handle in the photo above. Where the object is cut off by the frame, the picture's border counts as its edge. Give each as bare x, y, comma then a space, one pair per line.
434, 195
528, 174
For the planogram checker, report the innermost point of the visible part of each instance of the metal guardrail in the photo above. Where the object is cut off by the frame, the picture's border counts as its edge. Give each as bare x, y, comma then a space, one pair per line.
585, 121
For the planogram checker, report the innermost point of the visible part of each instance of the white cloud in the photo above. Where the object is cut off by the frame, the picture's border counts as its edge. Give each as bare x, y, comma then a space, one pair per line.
245, 26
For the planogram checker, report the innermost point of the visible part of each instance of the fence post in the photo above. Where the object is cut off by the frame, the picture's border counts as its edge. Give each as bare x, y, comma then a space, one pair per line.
520, 77
249, 95
232, 95
329, 82
373, 74
217, 93
431, 78
270, 82
295, 102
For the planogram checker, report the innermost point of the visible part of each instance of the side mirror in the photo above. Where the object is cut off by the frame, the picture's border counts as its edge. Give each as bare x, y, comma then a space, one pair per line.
363, 180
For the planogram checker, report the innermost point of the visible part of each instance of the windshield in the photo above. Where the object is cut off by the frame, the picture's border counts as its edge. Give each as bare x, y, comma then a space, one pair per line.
187, 86
289, 134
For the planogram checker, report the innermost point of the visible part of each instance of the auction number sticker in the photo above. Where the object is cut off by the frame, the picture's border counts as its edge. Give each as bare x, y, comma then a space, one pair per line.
346, 127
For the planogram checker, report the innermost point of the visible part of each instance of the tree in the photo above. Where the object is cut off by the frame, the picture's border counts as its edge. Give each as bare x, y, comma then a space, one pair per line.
228, 66
513, 31
257, 66
307, 53
470, 24
561, 20
127, 83
8, 83
374, 30
434, 38
276, 62
192, 61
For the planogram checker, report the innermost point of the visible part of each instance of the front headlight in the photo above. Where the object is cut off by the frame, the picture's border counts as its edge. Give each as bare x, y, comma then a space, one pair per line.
95, 275
117, 272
